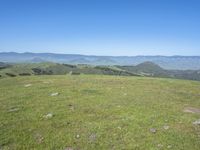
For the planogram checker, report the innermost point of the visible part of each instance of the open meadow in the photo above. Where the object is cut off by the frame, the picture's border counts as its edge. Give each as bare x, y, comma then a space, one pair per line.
81, 112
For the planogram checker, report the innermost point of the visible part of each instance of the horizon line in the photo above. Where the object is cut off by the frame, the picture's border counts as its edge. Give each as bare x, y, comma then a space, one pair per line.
100, 55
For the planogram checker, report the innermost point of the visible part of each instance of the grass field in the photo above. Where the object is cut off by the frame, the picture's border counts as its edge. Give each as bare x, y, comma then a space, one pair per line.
98, 112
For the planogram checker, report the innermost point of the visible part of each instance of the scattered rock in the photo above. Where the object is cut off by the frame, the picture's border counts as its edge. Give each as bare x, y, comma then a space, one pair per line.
166, 127
54, 94
192, 110
48, 116
197, 122
27, 85
153, 130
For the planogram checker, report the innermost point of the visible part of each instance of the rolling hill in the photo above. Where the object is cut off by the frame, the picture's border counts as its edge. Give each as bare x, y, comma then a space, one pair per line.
146, 69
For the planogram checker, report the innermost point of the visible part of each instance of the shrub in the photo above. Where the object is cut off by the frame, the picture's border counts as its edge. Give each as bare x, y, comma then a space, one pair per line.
24, 74
10, 75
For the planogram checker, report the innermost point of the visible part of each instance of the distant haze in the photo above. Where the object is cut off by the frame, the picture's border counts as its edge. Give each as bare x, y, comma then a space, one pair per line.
167, 62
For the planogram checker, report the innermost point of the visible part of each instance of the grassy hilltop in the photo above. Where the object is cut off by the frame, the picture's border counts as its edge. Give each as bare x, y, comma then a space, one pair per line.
98, 112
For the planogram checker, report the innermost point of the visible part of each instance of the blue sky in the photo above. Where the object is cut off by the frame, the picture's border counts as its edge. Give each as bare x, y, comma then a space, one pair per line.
101, 27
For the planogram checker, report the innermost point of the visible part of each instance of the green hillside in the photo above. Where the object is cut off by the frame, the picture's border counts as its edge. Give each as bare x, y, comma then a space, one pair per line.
98, 112
49, 68
146, 69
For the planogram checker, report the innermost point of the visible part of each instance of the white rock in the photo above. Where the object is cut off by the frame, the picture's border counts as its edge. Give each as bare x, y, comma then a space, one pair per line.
197, 122
125, 94
169, 146
27, 85
54, 94
166, 127
160, 145
119, 128
13, 110
48, 116
153, 130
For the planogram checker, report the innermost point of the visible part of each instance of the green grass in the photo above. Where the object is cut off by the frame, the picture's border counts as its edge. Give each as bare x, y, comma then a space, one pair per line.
107, 112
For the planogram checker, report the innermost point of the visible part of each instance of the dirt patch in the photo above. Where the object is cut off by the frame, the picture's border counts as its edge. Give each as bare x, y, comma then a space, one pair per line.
192, 110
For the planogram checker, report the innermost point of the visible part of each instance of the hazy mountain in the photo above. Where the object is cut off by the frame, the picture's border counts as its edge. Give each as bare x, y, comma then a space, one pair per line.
166, 62
37, 60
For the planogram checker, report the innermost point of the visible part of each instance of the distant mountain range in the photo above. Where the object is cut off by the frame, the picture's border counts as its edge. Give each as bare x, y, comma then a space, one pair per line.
166, 62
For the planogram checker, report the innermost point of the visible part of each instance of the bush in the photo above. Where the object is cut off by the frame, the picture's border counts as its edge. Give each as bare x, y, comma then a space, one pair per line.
70, 66
10, 75
24, 74
38, 71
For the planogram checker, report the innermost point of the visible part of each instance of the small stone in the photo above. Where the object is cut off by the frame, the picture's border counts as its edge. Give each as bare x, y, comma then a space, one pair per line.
119, 128
54, 94
71, 107
166, 127
27, 85
153, 130
169, 146
92, 137
160, 145
39, 138
13, 110
68, 148
197, 122
48, 116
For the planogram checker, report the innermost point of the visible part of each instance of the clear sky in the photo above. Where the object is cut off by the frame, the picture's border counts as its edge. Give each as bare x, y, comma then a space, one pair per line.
101, 27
